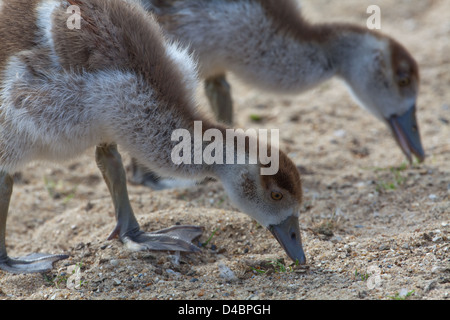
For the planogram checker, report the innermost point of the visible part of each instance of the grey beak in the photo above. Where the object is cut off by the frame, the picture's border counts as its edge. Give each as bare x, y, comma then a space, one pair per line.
406, 133
288, 235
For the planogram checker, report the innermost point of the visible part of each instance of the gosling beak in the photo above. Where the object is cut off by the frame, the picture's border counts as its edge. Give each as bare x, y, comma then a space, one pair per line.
288, 235
406, 133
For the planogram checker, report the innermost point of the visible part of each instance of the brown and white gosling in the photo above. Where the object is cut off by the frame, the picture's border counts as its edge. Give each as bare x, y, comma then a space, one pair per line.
268, 44
116, 80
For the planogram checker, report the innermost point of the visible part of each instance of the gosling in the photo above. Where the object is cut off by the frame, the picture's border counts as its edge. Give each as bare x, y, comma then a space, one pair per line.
106, 78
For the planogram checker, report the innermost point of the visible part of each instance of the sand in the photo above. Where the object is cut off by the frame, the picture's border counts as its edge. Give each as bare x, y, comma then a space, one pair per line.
373, 226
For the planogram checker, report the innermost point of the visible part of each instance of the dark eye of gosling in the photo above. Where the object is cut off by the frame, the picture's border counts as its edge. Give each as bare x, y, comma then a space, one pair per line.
277, 196
404, 82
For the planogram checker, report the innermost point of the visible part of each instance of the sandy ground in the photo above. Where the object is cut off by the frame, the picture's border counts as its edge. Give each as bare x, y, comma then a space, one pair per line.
372, 227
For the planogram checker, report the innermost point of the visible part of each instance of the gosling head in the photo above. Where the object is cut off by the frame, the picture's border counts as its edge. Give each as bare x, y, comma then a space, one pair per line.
384, 78
272, 200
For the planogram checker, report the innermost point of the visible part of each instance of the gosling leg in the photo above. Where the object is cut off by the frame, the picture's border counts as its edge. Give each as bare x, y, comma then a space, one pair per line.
177, 238
218, 92
147, 178
33, 263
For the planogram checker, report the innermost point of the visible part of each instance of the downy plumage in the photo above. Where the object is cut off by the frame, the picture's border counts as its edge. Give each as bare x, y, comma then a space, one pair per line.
114, 81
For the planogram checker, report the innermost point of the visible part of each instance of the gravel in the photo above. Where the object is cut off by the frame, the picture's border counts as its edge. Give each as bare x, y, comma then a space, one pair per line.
362, 239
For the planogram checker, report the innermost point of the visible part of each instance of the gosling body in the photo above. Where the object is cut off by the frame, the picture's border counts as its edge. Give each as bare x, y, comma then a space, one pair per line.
115, 80
269, 44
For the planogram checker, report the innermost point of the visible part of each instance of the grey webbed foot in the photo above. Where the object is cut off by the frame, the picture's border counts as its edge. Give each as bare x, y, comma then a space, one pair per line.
32, 263
177, 238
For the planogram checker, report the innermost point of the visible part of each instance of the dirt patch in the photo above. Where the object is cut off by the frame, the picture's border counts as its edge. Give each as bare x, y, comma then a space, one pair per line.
372, 227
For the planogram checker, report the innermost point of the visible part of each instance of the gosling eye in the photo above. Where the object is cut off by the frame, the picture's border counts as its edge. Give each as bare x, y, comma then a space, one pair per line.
404, 81
277, 196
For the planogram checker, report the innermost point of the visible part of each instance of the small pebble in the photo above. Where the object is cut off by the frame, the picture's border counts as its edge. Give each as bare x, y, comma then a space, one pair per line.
336, 239
226, 273
444, 120
430, 285
426, 236
173, 273
114, 262
437, 238
340, 133
403, 292
437, 269
360, 184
